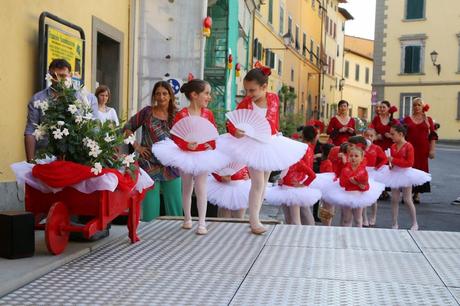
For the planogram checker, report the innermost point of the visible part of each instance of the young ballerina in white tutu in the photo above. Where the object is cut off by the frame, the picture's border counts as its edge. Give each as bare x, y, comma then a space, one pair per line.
195, 159
354, 190
230, 191
401, 175
376, 162
293, 191
261, 154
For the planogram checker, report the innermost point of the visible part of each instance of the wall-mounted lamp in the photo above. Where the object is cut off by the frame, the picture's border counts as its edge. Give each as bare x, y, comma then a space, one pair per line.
287, 39
341, 84
434, 57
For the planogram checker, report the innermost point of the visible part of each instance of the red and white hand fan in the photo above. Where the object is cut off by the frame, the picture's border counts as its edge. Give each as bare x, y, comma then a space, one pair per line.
230, 169
195, 129
253, 124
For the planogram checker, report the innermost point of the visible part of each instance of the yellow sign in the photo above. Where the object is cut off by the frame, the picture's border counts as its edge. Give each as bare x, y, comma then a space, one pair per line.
64, 46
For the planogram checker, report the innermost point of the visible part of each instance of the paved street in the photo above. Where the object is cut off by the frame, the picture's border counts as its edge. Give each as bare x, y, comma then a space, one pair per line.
435, 212
290, 265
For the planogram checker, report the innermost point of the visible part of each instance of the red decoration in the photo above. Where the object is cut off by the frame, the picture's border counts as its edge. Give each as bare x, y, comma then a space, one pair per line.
230, 62
426, 108
190, 76
393, 109
295, 136
207, 24
318, 124
238, 69
265, 70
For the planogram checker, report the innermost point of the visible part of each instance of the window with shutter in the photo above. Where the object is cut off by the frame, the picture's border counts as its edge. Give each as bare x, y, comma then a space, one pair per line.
367, 76
281, 20
347, 68
458, 106
357, 73
415, 9
255, 46
270, 11
412, 59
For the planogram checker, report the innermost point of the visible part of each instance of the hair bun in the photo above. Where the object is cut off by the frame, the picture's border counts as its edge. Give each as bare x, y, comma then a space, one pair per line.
183, 88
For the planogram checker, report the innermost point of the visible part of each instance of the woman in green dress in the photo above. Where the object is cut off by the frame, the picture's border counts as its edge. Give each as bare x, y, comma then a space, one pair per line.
156, 121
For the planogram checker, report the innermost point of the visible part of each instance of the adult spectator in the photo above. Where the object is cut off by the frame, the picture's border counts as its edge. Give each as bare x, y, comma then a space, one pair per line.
341, 126
104, 112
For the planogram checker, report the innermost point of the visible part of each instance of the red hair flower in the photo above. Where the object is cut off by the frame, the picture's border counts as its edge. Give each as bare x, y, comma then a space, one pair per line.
426, 108
295, 136
266, 70
393, 109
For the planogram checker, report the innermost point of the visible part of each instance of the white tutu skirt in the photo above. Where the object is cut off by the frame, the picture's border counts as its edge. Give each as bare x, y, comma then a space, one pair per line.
233, 195
376, 174
169, 154
338, 196
323, 181
278, 154
397, 177
292, 196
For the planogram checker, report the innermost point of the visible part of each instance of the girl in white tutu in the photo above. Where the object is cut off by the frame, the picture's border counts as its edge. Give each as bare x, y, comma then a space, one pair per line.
229, 192
275, 153
401, 175
376, 162
354, 190
293, 191
195, 160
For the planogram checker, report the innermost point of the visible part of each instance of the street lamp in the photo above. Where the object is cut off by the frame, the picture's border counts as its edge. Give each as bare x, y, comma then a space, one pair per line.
341, 84
434, 57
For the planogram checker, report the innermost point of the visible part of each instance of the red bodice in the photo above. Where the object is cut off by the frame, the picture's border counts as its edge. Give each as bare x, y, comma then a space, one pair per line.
359, 175
242, 174
403, 158
340, 137
381, 129
298, 172
337, 163
375, 156
326, 166
420, 135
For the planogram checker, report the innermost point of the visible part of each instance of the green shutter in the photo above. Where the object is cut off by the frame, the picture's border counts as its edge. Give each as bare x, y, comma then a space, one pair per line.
414, 9
416, 59
408, 59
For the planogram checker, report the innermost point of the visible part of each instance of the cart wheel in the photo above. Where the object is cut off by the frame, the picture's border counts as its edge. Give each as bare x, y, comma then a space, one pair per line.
55, 235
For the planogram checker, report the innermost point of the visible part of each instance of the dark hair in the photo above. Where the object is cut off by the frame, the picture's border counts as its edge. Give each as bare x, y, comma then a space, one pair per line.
344, 147
400, 128
387, 103
309, 133
59, 63
256, 74
101, 89
172, 108
358, 140
342, 102
300, 128
195, 85
326, 148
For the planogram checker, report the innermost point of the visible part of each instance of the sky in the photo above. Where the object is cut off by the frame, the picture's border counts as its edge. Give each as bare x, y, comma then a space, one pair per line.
363, 12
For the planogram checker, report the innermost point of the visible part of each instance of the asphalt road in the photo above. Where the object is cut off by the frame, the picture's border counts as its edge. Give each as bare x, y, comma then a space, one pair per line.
435, 212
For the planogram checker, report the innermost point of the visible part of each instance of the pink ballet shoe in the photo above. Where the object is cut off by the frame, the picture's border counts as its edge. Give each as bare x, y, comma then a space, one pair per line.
201, 230
414, 227
395, 226
187, 224
258, 230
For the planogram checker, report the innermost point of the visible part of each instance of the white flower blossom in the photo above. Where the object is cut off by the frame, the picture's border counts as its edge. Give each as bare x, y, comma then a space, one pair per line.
95, 151
72, 108
96, 169
37, 103
44, 106
78, 119
57, 134
60, 123
39, 132
65, 132
130, 140
49, 77
109, 138
88, 116
85, 99
129, 159
68, 82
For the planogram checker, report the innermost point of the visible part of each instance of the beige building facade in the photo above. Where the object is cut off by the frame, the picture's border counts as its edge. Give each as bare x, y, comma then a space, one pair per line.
417, 54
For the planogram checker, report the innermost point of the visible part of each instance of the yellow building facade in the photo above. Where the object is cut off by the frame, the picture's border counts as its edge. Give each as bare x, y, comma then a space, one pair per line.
104, 22
358, 65
293, 60
408, 33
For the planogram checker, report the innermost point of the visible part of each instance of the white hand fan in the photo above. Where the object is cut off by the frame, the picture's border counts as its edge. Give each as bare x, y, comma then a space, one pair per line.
230, 169
195, 129
253, 124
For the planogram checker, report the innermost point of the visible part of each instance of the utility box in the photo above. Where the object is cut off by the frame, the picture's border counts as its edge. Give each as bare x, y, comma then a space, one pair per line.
17, 234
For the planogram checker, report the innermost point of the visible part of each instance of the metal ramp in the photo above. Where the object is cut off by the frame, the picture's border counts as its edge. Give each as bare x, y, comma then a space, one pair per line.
290, 265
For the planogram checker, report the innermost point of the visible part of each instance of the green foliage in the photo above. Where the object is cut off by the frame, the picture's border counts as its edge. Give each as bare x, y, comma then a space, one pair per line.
290, 122
74, 135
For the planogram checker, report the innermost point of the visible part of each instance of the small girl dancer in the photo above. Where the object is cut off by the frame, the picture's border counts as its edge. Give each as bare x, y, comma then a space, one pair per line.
354, 190
376, 161
262, 158
401, 174
293, 191
194, 160
230, 193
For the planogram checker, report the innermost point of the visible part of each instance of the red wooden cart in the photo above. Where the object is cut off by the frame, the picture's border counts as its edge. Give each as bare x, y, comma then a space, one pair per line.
104, 206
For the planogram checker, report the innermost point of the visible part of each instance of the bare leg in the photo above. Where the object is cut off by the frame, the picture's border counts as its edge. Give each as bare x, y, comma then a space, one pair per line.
201, 197
365, 220
187, 189
287, 214
358, 216
373, 218
306, 216
256, 194
395, 194
327, 209
407, 196
347, 216
295, 214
